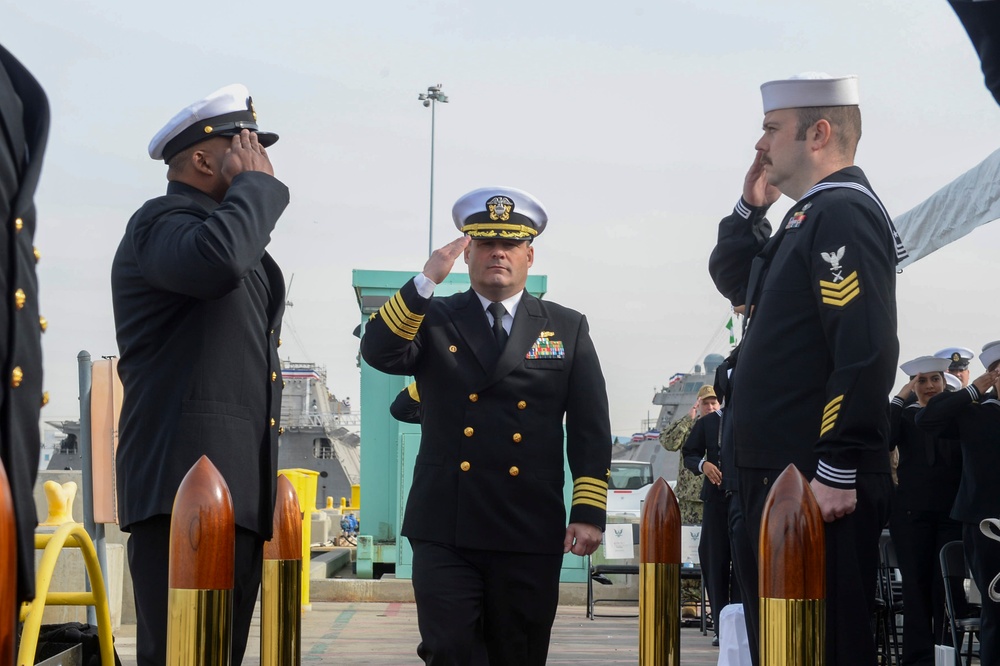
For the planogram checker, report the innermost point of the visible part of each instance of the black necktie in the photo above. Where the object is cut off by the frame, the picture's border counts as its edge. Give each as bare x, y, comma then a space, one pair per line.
498, 311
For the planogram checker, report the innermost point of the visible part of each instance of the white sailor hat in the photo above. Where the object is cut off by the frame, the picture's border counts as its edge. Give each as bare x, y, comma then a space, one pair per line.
924, 364
959, 357
810, 89
953, 382
499, 212
225, 112
991, 353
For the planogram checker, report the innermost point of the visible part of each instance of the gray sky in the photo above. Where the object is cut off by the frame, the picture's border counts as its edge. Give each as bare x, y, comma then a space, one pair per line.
633, 121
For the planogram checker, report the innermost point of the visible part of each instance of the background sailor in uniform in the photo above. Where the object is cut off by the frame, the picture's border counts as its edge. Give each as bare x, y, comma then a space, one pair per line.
929, 472
198, 303
958, 358
24, 128
972, 416
485, 513
807, 388
701, 457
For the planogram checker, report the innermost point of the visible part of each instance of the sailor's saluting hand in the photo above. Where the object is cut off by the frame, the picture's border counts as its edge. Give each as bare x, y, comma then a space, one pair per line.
756, 190
443, 259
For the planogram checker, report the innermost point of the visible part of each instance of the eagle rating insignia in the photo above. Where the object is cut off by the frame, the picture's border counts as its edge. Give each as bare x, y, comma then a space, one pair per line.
833, 258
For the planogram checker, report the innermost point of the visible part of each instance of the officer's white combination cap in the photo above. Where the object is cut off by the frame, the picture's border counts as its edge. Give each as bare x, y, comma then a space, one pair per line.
810, 89
959, 357
991, 353
924, 364
225, 112
499, 212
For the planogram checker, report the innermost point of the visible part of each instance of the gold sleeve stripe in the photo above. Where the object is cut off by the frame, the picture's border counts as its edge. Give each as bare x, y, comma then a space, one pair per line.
840, 294
403, 314
600, 484
411, 388
399, 319
830, 413
591, 494
603, 506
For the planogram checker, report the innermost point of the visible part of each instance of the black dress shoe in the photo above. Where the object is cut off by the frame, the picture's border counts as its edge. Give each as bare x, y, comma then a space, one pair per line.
715, 641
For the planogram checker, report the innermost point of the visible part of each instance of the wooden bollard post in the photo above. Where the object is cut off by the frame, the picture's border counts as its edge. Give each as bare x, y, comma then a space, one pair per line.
792, 575
660, 578
8, 571
202, 554
281, 602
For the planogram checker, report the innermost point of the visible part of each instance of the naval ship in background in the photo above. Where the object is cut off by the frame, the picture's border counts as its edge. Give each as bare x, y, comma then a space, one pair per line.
320, 433
674, 400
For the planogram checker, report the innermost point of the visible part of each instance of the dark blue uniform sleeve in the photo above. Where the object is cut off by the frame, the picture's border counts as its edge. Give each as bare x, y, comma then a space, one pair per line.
391, 341
940, 416
742, 234
695, 447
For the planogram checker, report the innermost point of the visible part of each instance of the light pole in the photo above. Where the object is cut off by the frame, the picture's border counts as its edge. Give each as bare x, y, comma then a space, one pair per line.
430, 98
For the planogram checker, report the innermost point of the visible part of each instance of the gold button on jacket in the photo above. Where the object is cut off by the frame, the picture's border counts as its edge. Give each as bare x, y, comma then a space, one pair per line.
19, 298
16, 376
465, 466
513, 471
473, 397
522, 404
469, 432
516, 438
272, 423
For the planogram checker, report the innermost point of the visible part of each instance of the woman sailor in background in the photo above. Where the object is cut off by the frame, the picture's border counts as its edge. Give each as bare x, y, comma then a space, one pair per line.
929, 473
972, 416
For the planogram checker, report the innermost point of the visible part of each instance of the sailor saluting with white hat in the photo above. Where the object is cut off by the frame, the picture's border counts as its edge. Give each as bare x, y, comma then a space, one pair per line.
820, 349
198, 304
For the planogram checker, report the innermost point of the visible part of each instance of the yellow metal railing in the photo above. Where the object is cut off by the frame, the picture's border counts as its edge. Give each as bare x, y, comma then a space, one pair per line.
68, 535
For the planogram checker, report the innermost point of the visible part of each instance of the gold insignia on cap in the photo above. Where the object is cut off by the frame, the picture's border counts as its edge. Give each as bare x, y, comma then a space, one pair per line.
500, 208
208, 129
956, 357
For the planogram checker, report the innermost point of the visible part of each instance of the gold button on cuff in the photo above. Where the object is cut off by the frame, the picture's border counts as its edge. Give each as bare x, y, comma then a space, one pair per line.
18, 224
522, 404
513, 471
469, 432
517, 438
38, 255
281, 431
16, 376
43, 324
453, 349
272, 423
465, 466
19, 298
45, 398
274, 376
473, 397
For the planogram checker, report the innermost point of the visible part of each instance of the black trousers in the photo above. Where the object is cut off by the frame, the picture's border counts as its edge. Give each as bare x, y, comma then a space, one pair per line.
478, 607
918, 537
148, 560
716, 559
745, 571
851, 562
983, 556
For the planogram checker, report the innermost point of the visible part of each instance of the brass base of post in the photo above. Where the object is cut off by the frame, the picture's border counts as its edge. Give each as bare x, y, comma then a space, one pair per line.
792, 632
659, 614
199, 627
281, 613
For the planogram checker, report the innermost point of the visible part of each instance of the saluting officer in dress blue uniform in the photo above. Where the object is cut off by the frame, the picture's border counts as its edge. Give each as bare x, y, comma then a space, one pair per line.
198, 304
819, 352
497, 371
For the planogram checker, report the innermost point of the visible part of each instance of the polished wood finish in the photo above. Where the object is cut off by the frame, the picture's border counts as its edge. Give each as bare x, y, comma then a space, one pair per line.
660, 526
286, 543
792, 542
8, 571
202, 531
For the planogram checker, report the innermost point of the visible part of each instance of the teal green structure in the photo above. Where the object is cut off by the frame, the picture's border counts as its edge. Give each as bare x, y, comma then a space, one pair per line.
389, 448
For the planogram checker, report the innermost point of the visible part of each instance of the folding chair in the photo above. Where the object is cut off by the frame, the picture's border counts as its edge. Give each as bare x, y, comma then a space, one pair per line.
954, 566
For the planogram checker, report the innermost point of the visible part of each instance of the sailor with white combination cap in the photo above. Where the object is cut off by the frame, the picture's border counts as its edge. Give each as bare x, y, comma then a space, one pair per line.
959, 358
498, 370
819, 352
198, 304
